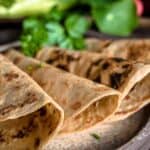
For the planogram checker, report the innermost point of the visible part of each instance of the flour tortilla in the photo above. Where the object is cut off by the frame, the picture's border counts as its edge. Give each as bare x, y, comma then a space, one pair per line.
138, 50
28, 116
133, 49
97, 45
130, 78
84, 102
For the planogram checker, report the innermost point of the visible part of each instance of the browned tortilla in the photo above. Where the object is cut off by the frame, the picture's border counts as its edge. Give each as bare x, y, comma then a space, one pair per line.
135, 49
138, 50
97, 45
84, 102
130, 78
28, 116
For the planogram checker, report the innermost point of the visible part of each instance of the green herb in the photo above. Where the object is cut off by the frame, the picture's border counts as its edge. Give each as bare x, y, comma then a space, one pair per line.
76, 25
49, 30
64, 26
7, 3
40, 65
29, 68
33, 37
94, 135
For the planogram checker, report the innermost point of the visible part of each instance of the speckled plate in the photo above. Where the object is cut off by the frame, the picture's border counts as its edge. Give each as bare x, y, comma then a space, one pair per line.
129, 134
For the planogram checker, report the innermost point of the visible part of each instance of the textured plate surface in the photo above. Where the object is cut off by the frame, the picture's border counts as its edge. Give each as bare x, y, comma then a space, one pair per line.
111, 135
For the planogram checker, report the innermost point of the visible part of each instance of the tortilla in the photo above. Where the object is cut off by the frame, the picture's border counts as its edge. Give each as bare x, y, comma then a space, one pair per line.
97, 45
130, 78
84, 102
28, 116
136, 49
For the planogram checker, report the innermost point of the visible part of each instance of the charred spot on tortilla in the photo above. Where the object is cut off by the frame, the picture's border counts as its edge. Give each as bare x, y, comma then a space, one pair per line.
26, 130
55, 55
2, 139
31, 96
72, 58
16, 60
20, 134
105, 66
63, 67
37, 142
117, 59
115, 80
17, 86
126, 66
50, 131
76, 105
43, 111
7, 109
10, 76
97, 62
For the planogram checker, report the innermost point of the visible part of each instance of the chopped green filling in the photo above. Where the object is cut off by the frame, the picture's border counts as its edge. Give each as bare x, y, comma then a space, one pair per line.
95, 136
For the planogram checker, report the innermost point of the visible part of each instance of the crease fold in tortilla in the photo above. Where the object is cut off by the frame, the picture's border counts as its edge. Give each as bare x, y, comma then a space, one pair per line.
131, 78
84, 102
28, 116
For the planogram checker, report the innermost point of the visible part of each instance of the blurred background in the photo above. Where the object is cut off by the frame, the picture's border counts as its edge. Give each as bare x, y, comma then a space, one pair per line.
66, 23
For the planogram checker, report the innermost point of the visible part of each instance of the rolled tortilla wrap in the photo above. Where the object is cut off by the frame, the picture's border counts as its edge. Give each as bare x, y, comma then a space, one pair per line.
130, 78
133, 49
138, 50
28, 116
84, 102
97, 45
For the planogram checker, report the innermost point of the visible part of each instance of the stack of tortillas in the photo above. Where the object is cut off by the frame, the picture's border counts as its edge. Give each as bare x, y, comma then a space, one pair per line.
69, 92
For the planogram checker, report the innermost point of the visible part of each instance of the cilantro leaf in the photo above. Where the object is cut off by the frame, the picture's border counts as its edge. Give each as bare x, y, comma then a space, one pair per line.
33, 40
54, 15
55, 33
67, 44
119, 18
96, 136
76, 25
30, 24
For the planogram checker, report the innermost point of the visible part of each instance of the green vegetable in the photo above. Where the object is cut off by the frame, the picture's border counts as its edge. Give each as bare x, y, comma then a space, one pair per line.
76, 25
119, 18
56, 33
64, 26
33, 37
50, 31
7, 3
94, 135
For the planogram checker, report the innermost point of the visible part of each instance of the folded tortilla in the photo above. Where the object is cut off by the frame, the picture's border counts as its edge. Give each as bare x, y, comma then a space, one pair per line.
97, 45
130, 78
84, 102
133, 49
138, 50
28, 116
